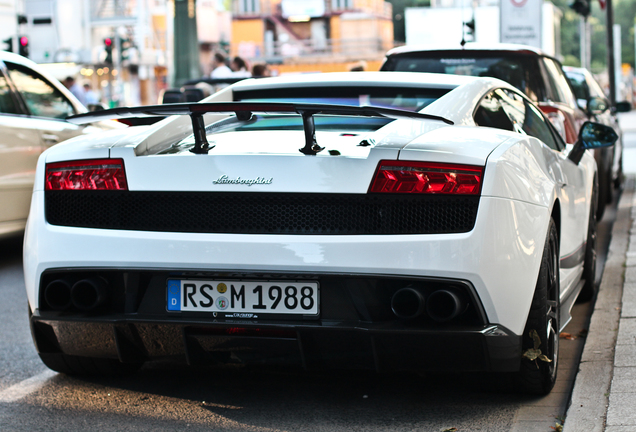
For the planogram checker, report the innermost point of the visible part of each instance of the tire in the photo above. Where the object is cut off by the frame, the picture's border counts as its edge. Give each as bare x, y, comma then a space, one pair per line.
537, 376
76, 365
605, 189
589, 265
620, 176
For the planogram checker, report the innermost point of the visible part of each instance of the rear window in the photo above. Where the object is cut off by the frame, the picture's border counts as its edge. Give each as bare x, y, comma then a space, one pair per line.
520, 71
405, 98
578, 85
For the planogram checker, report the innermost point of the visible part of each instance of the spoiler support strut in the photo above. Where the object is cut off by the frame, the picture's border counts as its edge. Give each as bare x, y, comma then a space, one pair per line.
311, 145
201, 144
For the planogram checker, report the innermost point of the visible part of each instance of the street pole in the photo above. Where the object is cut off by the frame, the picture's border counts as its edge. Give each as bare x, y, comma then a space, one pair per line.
583, 41
611, 70
186, 42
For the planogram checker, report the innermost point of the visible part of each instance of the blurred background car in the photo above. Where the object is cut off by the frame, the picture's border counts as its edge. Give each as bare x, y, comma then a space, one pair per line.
592, 100
33, 109
538, 75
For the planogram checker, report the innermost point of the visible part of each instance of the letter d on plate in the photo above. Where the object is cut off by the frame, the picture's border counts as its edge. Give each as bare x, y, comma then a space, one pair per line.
174, 295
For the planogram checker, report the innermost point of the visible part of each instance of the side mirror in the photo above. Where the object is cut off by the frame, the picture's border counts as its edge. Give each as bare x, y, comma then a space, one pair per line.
596, 105
592, 136
623, 106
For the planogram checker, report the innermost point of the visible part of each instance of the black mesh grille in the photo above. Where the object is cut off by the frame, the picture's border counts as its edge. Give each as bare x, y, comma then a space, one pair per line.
262, 213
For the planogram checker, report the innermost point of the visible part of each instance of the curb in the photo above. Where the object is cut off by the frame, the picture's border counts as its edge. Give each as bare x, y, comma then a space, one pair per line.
590, 396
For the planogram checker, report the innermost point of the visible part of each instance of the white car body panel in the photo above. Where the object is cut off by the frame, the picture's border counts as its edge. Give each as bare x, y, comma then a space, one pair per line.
485, 256
19, 151
525, 184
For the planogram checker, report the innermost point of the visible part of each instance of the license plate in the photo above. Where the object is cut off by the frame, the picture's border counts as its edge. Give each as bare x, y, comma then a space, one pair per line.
228, 296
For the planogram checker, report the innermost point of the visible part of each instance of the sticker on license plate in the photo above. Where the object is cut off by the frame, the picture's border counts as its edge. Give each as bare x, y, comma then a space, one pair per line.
271, 297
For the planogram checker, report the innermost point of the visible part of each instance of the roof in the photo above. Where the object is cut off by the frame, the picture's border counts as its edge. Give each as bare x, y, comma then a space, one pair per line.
15, 58
349, 79
521, 49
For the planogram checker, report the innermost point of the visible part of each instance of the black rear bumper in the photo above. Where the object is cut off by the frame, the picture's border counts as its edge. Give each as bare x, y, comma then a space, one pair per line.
315, 345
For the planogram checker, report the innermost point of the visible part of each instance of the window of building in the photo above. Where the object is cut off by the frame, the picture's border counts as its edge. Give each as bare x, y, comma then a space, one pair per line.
249, 6
341, 4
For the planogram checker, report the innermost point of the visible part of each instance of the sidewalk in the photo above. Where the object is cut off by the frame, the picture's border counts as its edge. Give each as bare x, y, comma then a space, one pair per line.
604, 394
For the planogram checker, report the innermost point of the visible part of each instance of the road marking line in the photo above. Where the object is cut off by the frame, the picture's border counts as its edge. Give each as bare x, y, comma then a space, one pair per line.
26, 387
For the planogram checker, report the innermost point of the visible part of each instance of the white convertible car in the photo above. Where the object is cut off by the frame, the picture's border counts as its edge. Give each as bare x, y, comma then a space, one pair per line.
386, 221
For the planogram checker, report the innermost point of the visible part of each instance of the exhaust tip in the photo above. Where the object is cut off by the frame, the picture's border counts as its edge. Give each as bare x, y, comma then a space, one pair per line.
444, 305
89, 294
57, 294
408, 303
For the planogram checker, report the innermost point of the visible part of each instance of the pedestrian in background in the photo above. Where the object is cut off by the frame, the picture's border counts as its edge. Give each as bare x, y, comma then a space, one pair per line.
239, 68
90, 96
358, 66
261, 70
70, 83
219, 68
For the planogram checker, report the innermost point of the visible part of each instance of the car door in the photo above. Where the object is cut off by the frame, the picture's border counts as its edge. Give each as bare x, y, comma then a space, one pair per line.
568, 176
20, 148
508, 110
46, 106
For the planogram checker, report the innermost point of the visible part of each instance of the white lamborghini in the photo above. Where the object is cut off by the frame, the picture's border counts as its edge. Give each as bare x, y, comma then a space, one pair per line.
386, 221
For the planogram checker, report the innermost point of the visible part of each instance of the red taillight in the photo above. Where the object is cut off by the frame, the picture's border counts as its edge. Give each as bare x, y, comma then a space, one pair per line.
427, 178
92, 174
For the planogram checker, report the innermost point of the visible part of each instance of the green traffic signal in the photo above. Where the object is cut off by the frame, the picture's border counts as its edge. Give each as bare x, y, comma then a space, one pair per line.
470, 25
124, 45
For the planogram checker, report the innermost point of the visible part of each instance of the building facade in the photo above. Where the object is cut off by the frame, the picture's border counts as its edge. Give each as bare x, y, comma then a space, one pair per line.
312, 35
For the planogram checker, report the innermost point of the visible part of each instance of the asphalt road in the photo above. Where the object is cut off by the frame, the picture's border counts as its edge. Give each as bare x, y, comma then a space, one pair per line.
173, 396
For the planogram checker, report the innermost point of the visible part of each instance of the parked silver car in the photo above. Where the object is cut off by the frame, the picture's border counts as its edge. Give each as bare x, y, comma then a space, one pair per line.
33, 109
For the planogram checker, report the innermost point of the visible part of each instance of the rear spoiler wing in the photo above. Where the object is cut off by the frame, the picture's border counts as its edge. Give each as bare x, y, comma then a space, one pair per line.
244, 111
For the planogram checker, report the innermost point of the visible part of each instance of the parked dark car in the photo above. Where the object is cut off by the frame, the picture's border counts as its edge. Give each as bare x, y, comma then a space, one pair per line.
538, 75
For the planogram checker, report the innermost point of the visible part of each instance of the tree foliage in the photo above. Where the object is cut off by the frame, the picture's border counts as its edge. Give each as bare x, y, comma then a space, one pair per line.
624, 14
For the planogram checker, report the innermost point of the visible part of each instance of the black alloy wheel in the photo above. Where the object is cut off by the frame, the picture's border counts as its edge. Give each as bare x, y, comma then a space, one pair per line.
538, 376
604, 197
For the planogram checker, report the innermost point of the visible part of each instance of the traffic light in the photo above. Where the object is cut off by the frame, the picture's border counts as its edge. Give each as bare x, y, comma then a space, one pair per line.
124, 45
470, 28
23, 46
581, 7
8, 44
108, 47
